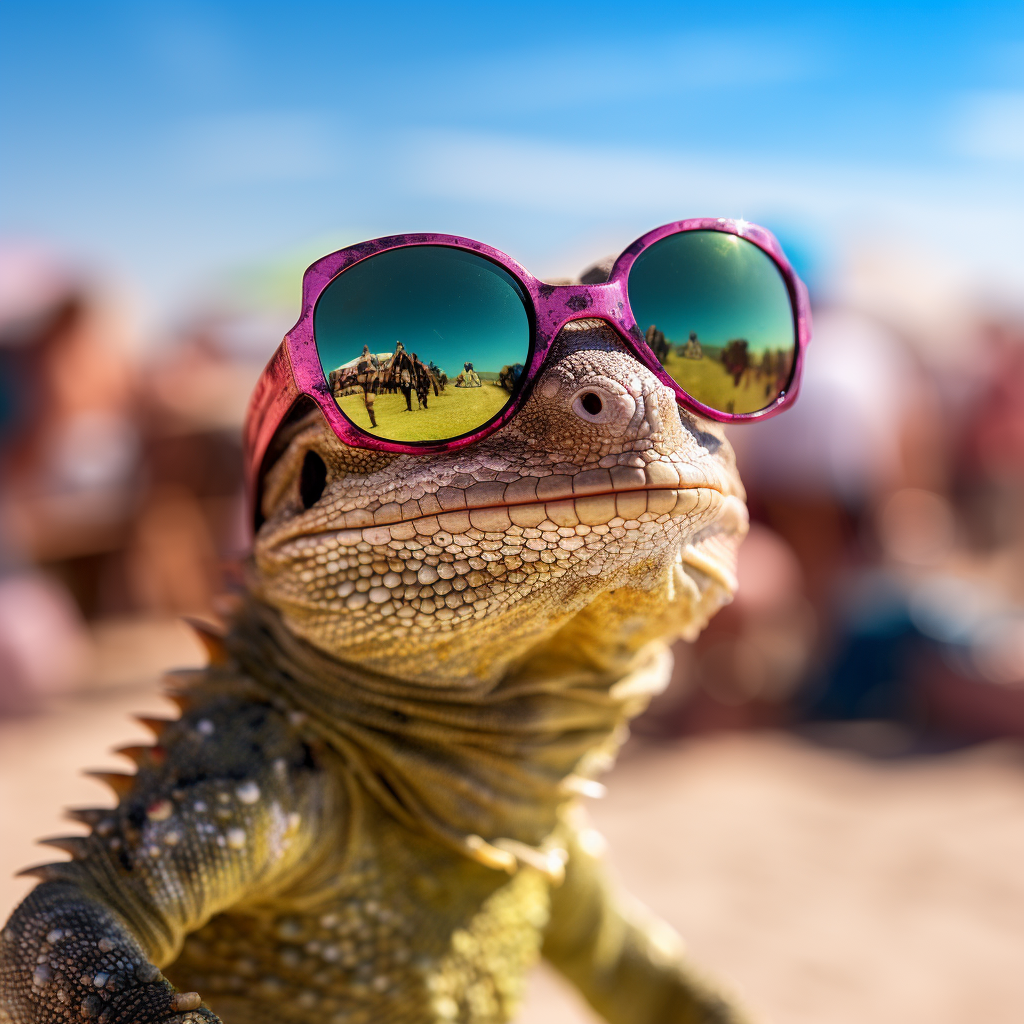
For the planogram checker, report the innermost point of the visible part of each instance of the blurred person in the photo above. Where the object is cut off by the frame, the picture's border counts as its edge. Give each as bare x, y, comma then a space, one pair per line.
931, 632
867, 421
68, 470
184, 546
989, 458
971, 607
69, 454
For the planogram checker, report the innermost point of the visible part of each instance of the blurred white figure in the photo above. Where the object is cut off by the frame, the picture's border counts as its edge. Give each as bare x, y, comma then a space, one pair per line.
844, 436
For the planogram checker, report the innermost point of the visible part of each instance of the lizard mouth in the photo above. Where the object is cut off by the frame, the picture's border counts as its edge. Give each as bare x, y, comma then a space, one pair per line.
600, 500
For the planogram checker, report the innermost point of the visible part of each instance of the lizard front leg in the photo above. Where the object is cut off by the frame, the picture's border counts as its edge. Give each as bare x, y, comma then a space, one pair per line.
225, 807
626, 963
67, 956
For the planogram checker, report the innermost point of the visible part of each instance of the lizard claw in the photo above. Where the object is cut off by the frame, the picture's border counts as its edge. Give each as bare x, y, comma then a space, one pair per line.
185, 1001
198, 1016
188, 1009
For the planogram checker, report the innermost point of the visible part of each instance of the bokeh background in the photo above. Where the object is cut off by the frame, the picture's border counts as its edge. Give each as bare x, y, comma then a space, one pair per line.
828, 799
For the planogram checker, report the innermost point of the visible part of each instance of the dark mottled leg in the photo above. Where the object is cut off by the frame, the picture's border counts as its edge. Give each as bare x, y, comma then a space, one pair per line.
66, 957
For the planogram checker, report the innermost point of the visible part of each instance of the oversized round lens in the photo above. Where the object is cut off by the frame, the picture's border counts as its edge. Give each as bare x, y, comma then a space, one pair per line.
716, 312
425, 343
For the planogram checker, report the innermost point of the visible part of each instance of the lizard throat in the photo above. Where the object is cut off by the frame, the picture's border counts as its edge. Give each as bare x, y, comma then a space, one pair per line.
484, 772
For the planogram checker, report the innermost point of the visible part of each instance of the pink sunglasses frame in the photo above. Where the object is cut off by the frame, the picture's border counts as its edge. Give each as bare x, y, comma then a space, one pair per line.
295, 370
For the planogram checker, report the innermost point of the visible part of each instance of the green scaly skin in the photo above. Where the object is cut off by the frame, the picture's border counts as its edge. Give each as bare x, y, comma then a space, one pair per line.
367, 811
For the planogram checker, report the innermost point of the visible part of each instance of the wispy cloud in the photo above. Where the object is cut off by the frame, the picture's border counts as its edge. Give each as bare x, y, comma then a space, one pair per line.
257, 147
602, 178
990, 125
841, 201
577, 74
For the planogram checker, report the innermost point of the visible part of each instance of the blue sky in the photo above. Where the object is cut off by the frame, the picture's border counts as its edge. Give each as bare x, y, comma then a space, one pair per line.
169, 143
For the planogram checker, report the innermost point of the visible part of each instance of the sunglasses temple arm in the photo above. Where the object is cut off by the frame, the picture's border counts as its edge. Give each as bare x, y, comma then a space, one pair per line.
274, 395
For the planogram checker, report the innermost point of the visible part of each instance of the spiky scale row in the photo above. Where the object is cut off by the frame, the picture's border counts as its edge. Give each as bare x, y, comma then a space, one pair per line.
200, 818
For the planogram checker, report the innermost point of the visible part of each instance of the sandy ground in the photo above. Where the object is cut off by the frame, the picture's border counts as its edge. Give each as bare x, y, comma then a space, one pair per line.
824, 887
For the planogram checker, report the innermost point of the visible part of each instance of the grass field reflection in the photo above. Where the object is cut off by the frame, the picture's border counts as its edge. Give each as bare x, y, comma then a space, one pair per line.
709, 381
453, 412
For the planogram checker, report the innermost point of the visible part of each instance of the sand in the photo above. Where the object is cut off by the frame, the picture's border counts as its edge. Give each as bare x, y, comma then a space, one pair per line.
825, 887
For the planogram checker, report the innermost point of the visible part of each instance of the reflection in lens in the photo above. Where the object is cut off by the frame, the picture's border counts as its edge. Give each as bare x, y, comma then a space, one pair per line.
424, 343
716, 312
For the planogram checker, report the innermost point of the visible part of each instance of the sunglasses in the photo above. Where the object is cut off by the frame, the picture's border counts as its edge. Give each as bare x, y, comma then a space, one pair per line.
426, 343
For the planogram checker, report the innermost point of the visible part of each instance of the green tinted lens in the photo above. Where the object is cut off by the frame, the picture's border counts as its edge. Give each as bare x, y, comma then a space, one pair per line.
424, 343
716, 312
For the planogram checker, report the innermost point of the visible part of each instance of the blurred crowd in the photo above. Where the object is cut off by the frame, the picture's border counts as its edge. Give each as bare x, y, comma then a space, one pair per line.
882, 580
120, 480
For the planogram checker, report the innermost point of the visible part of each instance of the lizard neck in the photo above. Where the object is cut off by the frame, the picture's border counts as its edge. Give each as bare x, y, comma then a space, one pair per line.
486, 770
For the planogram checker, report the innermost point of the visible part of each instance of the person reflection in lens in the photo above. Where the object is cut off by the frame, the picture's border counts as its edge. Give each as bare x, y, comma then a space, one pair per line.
421, 378
401, 371
367, 372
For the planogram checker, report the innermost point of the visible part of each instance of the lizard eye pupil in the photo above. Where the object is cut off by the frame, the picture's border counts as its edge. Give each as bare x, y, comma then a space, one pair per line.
591, 402
313, 479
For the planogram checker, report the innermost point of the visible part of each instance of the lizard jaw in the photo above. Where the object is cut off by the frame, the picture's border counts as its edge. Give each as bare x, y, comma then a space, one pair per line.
621, 495
511, 588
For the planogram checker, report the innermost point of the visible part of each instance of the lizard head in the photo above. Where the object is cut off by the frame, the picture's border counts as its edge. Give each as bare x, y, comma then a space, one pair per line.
600, 517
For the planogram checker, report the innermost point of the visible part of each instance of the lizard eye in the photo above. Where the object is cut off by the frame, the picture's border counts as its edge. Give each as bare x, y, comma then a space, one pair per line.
313, 479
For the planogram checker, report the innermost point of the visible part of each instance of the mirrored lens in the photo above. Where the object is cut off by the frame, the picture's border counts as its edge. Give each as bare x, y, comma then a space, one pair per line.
715, 310
424, 343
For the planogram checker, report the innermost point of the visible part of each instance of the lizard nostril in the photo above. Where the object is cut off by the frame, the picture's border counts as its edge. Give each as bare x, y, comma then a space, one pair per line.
591, 402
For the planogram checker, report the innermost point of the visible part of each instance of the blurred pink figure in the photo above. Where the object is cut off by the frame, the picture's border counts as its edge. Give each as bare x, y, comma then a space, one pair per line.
44, 646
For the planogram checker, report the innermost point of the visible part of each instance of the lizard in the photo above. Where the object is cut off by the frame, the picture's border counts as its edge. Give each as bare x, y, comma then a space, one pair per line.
369, 808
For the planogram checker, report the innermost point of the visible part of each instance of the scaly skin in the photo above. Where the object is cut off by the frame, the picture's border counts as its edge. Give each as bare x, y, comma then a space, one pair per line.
367, 810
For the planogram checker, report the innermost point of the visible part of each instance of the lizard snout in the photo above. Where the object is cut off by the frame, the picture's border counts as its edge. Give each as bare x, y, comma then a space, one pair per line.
594, 395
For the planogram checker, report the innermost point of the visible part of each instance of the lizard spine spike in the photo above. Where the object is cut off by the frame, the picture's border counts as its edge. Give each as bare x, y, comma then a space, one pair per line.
90, 816
44, 872
183, 700
157, 726
120, 783
77, 846
212, 639
142, 755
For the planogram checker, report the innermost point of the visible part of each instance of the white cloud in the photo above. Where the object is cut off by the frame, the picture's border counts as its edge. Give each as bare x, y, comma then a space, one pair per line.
990, 125
973, 219
603, 179
258, 147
